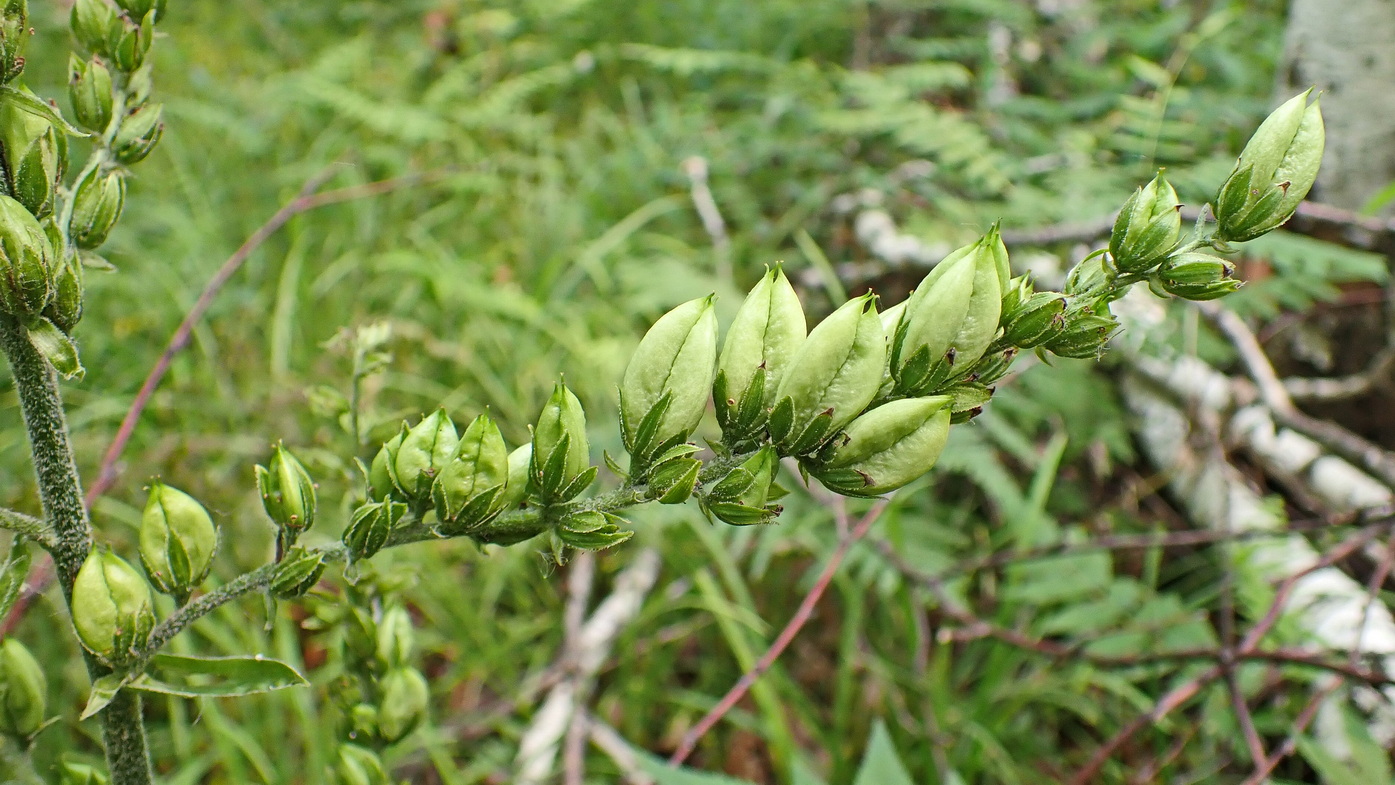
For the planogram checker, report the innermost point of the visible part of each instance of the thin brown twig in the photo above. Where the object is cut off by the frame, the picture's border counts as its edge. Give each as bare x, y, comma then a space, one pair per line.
796, 623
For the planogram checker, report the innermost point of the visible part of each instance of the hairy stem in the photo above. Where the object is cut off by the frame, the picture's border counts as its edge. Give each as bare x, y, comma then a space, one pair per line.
27, 526
60, 492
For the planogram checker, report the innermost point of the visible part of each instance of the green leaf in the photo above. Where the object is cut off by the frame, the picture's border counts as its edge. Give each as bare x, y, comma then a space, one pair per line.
194, 677
57, 348
103, 692
665, 774
13, 571
36, 106
881, 765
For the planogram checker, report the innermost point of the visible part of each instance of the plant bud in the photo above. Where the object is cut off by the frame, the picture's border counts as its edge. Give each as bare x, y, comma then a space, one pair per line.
1197, 276
396, 638
96, 208
468, 489
65, 309
673, 480
403, 705
1147, 228
299, 571
90, 92
885, 448
113, 610
95, 26
359, 766
561, 453
424, 452
81, 774
832, 377
1084, 336
130, 42
288, 494
1035, 321
23, 691
589, 530
951, 318
137, 9
1276, 170
664, 391
27, 262
741, 497
139, 134
370, 526
516, 489
14, 35
177, 540
762, 339
33, 160
992, 366
380, 481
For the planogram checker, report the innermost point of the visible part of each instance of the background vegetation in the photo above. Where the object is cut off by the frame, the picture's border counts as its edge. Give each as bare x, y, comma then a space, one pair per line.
539, 219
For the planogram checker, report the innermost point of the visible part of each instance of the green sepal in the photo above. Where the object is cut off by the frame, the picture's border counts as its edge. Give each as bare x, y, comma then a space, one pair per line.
673, 481
56, 347
299, 571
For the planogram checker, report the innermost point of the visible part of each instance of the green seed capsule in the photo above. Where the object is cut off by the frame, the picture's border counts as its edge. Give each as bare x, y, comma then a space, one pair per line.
34, 158
90, 92
369, 528
65, 309
470, 486
137, 9
112, 607
130, 42
81, 774
380, 474
405, 696
288, 494
424, 452
1084, 336
951, 318
14, 36
762, 340
1276, 170
23, 691
1197, 276
885, 448
1036, 321
359, 766
668, 380
561, 452
96, 208
28, 265
299, 571
139, 134
742, 497
516, 489
832, 377
1147, 228
96, 26
396, 638
177, 540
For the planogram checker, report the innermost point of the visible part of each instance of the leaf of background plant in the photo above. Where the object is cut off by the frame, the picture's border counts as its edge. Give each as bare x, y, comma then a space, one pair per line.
236, 676
881, 765
665, 774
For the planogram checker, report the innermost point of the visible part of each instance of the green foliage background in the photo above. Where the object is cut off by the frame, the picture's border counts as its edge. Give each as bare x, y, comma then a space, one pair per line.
551, 226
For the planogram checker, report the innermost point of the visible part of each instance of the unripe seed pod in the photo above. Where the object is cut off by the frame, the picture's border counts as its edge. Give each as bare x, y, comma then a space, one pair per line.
1197, 276
137, 9
951, 318
113, 610
671, 370
396, 638
1035, 321
740, 498
288, 494
468, 489
561, 452
992, 366
359, 766
96, 26
65, 309
96, 208
370, 526
131, 42
380, 482
81, 774
14, 35
833, 376
403, 705
363, 721
299, 572
177, 540
885, 448
139, 134
35, 156
516, 490
23, 691
1084, 336
762, 339
90, 92
27, 262
1147, 228
424, 452
1276, 170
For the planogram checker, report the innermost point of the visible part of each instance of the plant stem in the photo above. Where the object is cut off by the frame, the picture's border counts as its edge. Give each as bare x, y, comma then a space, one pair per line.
27, 526
60, 491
